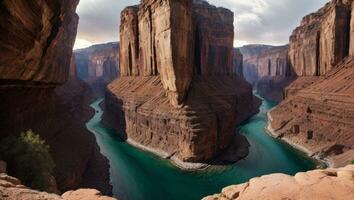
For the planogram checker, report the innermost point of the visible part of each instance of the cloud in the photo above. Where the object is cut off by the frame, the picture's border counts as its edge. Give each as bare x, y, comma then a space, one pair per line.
268, 21
256, 21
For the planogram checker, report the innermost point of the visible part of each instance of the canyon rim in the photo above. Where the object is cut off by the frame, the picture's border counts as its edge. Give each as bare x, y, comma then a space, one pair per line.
171, 109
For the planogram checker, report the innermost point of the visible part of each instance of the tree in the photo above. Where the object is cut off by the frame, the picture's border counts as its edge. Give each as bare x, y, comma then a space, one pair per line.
28, 159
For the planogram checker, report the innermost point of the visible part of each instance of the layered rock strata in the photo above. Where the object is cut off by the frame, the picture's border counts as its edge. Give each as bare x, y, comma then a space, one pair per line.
336, 184
98, 65
39, 90
317, 115
178, 92
322, 39
320, 117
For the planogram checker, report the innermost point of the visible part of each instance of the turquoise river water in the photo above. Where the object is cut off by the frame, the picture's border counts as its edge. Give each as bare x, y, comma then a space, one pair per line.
139, 175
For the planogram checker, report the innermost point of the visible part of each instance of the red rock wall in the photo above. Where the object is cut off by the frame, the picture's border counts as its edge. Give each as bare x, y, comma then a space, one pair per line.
270, 62
318, 110
39, 46
322, 39
36, 41
176, 94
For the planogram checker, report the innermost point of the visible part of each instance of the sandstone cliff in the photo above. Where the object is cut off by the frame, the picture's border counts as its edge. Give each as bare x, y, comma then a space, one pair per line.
322, 39
98, 65
336, 184
318, 111
36, 92
178, 92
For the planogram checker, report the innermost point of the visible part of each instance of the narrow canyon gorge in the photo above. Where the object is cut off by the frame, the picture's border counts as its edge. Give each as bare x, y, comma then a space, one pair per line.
98, 65
173, 110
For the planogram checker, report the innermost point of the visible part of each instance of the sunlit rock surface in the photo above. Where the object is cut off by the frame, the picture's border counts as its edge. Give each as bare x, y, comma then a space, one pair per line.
178, 92
336, 184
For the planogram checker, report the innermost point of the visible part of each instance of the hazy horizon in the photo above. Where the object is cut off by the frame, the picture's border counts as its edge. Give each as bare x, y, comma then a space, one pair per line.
256, 21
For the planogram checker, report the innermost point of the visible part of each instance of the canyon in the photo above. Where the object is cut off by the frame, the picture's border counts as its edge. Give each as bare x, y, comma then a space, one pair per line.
177, 101
317, 113
39, 89
175, 86
267, 69
98, 65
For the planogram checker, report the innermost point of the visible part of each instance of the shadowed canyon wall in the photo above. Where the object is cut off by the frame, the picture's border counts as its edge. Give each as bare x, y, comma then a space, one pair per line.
318, 110
39, 89
267, 69
238, 62
178, 92
98, 65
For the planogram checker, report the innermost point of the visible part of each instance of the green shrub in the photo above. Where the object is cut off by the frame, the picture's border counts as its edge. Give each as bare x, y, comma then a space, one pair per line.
353, 161
28, 159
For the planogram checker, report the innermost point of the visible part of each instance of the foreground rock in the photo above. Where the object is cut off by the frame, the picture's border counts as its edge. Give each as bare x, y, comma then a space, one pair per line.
178, 93
336, 184
98, 65
318, 113
39, 90
12, 189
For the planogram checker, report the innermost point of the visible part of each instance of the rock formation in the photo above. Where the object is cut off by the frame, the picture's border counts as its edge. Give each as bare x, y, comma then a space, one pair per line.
178, 92
318, 112
322, 39
12, 189
238, 62
39, 90
336, 184
98, 65
267, 68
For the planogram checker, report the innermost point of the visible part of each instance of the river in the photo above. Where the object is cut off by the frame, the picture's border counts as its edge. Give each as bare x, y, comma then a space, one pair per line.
139, 175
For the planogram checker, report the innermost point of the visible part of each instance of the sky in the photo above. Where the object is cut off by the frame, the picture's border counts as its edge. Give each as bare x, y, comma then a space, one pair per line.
256, 21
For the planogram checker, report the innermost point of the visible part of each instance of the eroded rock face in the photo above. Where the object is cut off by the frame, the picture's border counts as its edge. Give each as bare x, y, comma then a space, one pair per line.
317, 113
179, 93
39, 90
36, 40
322, 39
337, 184
12, 189
320, 116
98, 65
266, 63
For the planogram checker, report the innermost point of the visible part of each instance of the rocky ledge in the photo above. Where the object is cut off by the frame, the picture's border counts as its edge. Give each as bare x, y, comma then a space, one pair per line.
336, 184
12, 189
179, 92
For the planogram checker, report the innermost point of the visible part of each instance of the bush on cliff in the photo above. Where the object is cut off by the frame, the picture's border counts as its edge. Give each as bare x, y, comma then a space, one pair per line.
28, 159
